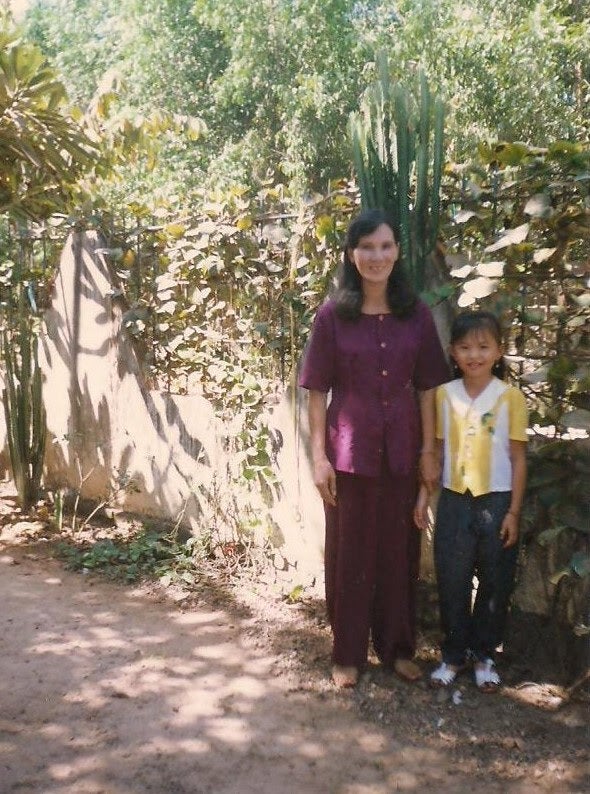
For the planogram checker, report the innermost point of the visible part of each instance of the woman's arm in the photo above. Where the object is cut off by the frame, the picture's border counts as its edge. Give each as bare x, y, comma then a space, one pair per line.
429, 455
509, 531
324, 476
421, 508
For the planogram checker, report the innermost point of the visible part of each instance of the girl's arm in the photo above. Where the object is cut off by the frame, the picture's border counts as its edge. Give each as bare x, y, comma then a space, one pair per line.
509, 531
429, 457
324, 476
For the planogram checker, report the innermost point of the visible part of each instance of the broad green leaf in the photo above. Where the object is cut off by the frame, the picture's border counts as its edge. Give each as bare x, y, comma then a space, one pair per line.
542, 254
479, 287
461, 272
490, 269
175, 230
511, 237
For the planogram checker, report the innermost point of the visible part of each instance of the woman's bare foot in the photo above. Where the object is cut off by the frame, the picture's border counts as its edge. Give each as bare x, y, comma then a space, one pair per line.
407, 669
345, 677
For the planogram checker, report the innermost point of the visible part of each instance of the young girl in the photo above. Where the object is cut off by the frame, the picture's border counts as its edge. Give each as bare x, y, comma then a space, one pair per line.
481, 427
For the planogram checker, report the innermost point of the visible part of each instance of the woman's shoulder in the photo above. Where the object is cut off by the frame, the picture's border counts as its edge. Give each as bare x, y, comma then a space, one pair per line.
326, 309
422, 309
418, 314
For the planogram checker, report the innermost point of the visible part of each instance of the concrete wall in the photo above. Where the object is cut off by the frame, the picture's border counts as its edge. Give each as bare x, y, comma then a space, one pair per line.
111, 436
106, 427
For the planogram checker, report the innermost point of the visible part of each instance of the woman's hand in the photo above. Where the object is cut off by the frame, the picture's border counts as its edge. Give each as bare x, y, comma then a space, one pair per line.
324, 478
430, 470
421, 509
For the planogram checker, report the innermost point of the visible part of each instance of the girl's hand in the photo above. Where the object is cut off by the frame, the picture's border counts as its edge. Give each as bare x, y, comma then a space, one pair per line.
324, 478
509, 530
421, 509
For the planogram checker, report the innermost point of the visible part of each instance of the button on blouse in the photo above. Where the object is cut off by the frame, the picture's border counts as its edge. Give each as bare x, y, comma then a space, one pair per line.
372, 367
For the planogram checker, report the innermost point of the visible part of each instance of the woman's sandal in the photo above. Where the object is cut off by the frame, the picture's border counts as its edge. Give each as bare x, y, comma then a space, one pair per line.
486, 678
345, 677
444, 675
407, 669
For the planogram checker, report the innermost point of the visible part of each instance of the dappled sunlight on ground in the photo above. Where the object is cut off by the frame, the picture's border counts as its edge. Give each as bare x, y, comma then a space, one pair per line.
107, 688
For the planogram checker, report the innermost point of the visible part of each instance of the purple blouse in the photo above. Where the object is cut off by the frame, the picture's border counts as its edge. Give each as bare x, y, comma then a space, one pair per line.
373, 366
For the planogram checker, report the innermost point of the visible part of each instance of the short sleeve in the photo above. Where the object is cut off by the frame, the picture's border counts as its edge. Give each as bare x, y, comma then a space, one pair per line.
318, 359
518, 415
431, 368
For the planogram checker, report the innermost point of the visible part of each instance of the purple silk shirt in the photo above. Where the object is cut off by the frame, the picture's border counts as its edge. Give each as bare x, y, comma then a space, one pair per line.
373, 367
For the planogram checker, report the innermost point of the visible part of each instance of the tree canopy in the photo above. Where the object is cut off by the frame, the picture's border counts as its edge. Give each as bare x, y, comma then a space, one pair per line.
274, 81
42, 151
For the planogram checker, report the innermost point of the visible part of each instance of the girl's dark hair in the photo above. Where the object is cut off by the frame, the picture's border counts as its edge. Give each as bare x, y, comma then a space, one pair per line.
469, 322
349, 293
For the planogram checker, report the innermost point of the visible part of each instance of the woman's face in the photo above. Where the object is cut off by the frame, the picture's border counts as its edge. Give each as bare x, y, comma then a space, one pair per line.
375, 255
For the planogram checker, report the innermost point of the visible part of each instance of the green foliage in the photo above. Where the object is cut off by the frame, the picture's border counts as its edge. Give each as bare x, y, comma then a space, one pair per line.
24, 410
517, 241
557, 487
556, 515
217, 286
293, 73
515, 71
42, 151
391, 144
274, 82
131, 146
222, 299
80, 38
147, 554
133, 70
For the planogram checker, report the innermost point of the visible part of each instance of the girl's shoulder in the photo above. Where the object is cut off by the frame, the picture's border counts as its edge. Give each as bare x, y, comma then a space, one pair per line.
450, 387
515, 396
508, 389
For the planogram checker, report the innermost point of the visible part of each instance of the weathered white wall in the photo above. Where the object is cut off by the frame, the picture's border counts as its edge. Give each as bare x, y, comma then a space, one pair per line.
105, 424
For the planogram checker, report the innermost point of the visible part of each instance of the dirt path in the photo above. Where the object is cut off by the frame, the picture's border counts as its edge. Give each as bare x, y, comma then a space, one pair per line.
106, 688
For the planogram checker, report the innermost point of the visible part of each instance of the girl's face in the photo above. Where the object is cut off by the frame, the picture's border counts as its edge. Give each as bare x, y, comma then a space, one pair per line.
375, 255
476, 353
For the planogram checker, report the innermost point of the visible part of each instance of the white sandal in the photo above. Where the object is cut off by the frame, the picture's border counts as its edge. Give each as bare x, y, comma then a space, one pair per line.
443, 675
486, 678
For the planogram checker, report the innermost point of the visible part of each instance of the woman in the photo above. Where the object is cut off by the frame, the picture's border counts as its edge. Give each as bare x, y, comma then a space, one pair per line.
374, 346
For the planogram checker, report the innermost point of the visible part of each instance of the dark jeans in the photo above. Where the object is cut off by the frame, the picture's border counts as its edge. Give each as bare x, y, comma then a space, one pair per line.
467, 543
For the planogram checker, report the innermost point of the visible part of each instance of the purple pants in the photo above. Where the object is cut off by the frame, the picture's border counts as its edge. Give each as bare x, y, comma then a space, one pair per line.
372, 556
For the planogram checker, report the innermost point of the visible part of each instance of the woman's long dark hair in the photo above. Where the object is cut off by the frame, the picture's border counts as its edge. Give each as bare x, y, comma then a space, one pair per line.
470, 322
349, 292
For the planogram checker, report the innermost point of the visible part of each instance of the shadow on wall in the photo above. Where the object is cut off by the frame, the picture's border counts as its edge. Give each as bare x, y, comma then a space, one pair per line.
112, 437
